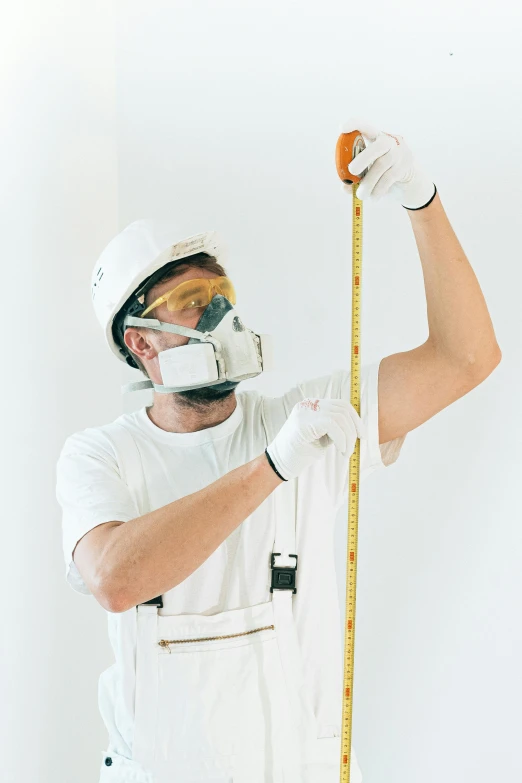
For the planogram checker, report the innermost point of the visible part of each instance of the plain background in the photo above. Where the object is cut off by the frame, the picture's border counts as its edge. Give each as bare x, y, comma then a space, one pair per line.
226, 115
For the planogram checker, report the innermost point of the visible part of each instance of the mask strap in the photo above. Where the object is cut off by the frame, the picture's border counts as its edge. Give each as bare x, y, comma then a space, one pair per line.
162, 326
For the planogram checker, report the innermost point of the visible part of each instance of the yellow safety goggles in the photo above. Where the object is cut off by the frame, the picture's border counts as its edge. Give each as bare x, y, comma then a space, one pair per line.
195, 293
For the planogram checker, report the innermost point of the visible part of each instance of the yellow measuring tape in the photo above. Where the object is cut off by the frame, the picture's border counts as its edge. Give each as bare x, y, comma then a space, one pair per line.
348, 146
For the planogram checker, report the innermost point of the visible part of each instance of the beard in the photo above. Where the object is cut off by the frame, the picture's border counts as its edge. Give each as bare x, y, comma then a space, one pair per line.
202, 398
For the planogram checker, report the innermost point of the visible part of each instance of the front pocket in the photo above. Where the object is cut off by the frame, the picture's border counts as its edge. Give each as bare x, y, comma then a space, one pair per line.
165, 643
116, 768
222, 705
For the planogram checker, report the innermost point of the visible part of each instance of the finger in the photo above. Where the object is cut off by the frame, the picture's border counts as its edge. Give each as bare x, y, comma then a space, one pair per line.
370, 181
354, 123
350, 433
368, 156
360, 425
319, 427
338, 406
386, 181
338, 436
343, 412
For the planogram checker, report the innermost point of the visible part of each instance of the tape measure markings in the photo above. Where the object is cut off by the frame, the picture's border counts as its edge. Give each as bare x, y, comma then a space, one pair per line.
353, 494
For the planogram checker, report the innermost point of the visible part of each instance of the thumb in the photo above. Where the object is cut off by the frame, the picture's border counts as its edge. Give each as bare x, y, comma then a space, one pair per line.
360, 425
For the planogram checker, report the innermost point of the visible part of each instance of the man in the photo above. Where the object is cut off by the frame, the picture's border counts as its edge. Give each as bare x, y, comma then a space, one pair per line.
203, 524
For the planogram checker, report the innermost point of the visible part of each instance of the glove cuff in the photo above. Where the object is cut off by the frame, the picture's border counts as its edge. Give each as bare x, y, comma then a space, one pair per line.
271, 463
417, 193
412, 209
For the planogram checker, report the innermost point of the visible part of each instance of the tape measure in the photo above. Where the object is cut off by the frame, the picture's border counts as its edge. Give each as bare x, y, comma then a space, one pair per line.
348, 146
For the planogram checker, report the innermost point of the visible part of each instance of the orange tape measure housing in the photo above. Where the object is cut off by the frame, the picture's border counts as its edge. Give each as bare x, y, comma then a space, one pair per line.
348, 146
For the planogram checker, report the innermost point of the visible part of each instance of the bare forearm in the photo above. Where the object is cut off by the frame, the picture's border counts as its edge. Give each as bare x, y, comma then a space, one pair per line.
155, 552
460, 326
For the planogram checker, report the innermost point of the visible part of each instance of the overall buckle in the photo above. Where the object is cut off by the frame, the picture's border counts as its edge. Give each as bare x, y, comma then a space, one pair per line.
283, 577
153, 602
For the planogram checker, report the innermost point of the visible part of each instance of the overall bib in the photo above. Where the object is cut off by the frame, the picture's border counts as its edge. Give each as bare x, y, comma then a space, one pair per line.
220, 698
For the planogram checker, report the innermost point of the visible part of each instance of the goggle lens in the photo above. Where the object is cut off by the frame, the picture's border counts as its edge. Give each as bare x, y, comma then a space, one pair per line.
195, 293
199, 293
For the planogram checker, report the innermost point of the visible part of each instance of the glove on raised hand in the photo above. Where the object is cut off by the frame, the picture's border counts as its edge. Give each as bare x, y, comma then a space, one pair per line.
393, 169
313, 424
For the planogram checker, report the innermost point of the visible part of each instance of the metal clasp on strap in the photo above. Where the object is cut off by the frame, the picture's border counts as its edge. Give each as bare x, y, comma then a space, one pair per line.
283, 577
153, 602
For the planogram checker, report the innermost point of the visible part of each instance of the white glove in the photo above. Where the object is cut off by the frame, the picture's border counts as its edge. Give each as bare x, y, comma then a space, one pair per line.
393, 169
311, 427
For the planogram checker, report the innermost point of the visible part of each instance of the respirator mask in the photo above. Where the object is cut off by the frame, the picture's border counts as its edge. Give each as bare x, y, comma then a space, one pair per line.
221, 351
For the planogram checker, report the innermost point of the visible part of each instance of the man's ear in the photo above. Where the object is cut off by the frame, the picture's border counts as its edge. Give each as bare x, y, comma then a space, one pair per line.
137, 342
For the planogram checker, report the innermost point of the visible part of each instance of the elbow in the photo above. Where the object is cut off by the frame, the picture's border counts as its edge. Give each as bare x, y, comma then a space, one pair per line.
493, 360
112, 599
479, 371
115, 604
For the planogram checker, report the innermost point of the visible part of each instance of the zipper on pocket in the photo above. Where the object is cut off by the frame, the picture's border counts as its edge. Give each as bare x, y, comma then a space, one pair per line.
167, 642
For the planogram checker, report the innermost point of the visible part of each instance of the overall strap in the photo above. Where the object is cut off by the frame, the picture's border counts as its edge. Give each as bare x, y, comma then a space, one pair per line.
131, 471
273, 417
284, 562
130, 465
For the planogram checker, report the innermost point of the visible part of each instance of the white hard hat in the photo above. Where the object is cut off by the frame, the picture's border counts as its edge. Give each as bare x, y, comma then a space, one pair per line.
127, 266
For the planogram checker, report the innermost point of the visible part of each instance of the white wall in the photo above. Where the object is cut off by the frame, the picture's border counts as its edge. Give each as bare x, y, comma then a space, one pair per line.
227, 115
59, 207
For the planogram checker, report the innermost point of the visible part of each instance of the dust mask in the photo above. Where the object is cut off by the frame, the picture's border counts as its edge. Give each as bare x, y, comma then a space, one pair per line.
221, 352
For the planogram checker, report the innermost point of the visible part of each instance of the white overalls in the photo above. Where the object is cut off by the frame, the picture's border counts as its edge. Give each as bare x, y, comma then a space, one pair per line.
220, 698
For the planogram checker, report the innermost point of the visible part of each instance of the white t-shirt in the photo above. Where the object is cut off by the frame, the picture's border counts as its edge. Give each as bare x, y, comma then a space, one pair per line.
237, 574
